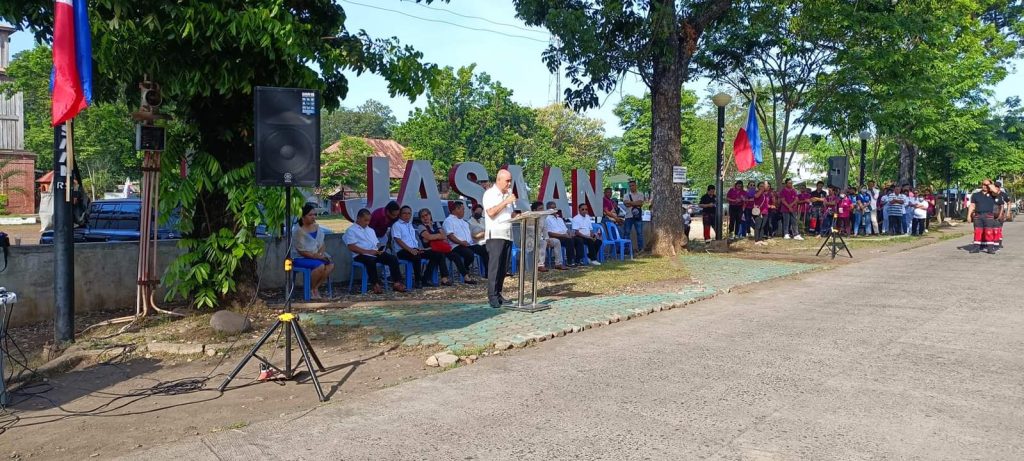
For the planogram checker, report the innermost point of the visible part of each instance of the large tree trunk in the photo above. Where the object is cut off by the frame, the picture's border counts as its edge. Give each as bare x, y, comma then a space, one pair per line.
908, 162
666, 86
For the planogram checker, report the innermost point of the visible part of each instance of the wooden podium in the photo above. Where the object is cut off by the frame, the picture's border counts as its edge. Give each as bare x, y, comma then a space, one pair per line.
528, 265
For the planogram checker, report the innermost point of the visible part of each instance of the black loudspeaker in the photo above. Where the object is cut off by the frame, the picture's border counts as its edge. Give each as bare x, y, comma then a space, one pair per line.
838, 172
287, 137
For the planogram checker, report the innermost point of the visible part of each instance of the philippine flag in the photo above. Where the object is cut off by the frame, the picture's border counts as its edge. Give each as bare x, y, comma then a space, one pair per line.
72, 60
747, 146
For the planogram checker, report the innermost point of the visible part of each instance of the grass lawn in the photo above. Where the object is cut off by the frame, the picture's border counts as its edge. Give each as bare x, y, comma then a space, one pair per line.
615, 276
336, 223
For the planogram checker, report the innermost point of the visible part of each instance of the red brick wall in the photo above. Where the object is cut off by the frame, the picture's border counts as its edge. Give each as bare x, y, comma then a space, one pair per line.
18, 202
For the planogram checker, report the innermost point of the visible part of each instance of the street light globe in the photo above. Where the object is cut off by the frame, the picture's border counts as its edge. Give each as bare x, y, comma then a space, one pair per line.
865, 135
721, 99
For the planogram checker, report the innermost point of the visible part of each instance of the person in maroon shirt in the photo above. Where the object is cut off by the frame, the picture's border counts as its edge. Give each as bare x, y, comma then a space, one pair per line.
735, 198
608, 204
747, 223
789, 205
382, 218
803, 206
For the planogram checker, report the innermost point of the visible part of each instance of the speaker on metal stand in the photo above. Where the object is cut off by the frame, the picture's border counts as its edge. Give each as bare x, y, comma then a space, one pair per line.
287, 154
838, 177
838, 172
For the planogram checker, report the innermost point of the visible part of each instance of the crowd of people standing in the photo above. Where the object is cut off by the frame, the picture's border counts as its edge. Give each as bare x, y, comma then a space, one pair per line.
761, 212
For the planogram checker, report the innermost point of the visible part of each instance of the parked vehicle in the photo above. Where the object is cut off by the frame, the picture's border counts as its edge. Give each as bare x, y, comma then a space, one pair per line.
116, 220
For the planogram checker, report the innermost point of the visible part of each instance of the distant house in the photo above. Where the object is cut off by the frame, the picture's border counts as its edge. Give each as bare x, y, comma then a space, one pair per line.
17, 180
388, 148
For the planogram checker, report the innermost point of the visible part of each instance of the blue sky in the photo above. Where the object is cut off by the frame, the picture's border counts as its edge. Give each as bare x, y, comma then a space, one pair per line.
514, 61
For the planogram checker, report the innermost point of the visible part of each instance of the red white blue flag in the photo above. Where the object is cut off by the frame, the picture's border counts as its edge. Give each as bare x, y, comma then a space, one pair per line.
747, 146
72, 60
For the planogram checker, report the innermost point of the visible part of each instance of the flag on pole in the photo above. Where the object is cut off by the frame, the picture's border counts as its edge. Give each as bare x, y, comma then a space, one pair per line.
72, 60
747, 146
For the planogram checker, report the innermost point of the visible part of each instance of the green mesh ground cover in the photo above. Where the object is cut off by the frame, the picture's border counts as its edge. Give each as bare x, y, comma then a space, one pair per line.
466, 325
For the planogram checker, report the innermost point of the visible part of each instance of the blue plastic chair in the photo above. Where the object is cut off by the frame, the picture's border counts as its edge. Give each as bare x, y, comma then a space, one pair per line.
407, 267
594, 228
307, 276
356, 265
613, 238
480, 265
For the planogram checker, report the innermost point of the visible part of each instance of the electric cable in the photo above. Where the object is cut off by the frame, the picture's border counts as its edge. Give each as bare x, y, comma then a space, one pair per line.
441, 21
467, 16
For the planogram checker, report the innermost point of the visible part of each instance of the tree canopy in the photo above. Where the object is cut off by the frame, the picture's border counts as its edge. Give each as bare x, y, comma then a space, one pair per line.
208, 56
600, 42
372, 119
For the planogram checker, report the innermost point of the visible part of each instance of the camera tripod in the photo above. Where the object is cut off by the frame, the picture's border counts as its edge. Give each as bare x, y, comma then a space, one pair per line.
289, 322
834, 240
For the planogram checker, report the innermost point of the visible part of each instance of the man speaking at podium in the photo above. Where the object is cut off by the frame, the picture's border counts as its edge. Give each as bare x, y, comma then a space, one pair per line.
497, 203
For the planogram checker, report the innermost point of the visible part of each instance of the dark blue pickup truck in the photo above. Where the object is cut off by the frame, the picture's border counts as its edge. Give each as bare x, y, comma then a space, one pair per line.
115, 220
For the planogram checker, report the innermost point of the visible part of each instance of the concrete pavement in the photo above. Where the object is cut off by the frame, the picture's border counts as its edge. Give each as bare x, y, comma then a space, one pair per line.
918, 354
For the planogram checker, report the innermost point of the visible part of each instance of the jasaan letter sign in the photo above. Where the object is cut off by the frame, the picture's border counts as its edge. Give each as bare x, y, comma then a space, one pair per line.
419, 187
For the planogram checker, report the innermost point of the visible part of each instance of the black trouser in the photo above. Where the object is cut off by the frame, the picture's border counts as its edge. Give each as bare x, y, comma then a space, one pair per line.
735, 214
570, 249
462, 257
592, 246
499, 252
416, 260
371, 262
480, 251
917, 226
434, 261
895, 224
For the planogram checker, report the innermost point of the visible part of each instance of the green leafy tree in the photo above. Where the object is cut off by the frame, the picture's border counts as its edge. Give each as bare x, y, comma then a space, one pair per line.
372, 119
104, 133
567, 140
914, 70
777, 58
344, 167
469, 117
697, 150
208, 56
601, 41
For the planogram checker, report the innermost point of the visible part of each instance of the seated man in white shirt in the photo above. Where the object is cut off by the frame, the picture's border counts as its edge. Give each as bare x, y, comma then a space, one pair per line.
544, 241
463, 244
365, 248
585, 237
408, 247
557, 230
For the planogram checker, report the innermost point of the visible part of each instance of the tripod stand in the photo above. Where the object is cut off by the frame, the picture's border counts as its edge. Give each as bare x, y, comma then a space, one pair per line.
288, 321
834, 240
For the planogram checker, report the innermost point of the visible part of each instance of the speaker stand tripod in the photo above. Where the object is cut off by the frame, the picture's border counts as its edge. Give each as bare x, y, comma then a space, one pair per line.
289, 322
834, 241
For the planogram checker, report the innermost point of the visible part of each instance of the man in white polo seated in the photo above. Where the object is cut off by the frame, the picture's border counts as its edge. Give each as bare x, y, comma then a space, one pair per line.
585, 237
461, 238
366, 249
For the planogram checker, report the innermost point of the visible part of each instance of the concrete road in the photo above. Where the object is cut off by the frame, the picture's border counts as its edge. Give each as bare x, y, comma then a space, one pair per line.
919, 354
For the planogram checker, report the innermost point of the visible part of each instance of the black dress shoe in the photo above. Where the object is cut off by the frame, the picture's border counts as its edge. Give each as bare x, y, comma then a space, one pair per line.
502, 300
469, 281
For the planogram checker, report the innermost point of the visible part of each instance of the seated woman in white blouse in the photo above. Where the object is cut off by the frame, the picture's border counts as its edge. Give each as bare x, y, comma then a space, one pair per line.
308, 250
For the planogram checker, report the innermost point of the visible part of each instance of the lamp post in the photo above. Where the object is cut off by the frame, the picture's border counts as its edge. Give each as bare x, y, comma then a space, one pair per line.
721, 100
864, 136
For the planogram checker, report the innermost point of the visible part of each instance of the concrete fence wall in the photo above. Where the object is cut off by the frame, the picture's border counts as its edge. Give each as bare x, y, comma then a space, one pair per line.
106, 274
